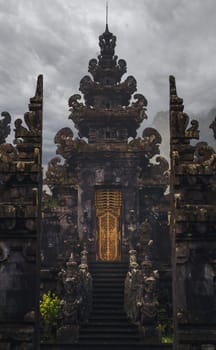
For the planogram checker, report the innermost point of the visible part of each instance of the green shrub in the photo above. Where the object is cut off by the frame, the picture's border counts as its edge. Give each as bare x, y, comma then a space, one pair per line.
168, 339
50, 311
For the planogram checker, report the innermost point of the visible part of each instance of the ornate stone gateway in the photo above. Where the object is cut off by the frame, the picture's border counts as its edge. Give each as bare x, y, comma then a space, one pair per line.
111, 200
108, 213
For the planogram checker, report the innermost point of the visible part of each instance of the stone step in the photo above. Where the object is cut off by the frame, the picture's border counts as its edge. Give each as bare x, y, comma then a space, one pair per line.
106, 312
108, 330
108, 277
115, 326
96, 346
105, 306
109, 338
111, 316
111, 305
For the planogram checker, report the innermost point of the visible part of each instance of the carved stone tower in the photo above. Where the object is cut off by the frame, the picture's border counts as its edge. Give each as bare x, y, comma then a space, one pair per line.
108, 165
115, 185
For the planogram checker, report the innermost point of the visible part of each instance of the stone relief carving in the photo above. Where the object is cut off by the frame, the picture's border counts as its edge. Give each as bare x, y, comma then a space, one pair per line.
203, 153
55, 174
29, 252
99, 175
199, 283
8, 155
4, 251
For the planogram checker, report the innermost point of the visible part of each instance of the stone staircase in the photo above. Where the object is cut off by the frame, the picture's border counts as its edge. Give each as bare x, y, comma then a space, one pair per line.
108, 327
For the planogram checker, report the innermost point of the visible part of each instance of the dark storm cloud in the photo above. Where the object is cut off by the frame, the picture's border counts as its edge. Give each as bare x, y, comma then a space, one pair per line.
57, 38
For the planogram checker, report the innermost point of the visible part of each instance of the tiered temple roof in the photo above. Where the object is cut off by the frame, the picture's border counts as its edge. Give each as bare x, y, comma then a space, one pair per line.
107, 98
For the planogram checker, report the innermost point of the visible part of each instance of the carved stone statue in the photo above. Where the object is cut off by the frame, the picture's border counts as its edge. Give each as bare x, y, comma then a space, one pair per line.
145, 242
72, 299
86, 289
132, 288
148, 303
141, 296
77, 296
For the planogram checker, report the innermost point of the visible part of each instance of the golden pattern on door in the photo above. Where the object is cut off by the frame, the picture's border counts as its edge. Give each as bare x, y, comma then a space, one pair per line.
108, 212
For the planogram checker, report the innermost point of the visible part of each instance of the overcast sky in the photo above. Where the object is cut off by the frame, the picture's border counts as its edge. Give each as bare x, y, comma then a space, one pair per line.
58, 37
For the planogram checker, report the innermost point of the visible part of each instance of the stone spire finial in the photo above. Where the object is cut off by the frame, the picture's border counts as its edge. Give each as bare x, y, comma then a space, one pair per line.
107, 43
107, 15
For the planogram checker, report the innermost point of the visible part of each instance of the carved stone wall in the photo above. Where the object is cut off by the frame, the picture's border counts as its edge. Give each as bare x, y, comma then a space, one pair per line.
192, 226
20, 217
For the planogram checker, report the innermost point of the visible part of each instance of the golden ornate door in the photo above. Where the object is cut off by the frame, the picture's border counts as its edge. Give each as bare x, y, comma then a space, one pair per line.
108, 213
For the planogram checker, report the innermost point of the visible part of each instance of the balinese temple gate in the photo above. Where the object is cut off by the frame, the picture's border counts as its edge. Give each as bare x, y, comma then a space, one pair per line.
117, 185
109, 193
123, 240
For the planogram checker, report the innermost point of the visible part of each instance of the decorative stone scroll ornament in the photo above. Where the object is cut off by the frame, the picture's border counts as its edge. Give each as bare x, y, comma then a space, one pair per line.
150, 141
141, 100
64, 141
160, 167
213, 127
4, 126
66, 144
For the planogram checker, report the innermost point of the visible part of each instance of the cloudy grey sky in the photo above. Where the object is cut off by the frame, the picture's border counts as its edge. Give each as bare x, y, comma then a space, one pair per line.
58, 37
